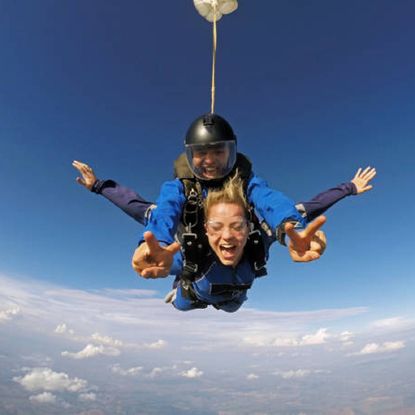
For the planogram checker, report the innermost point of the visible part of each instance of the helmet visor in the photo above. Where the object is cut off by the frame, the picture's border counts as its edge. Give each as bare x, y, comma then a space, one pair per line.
211, 161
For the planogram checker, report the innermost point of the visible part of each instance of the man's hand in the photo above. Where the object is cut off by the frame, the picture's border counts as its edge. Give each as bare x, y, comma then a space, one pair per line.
362, 178
88, 176
151, 260
309, 244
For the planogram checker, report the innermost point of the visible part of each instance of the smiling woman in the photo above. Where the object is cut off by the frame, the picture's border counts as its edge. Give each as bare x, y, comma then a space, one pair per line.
235, 246
234, 257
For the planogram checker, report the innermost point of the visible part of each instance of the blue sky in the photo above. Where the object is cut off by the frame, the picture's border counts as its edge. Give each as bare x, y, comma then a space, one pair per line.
313, 91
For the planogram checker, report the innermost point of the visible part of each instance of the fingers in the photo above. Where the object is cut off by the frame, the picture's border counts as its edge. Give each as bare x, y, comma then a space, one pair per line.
152, 242
173, 248
88, 175
370, 174
356, 176
362, 178
306, 256
310, 230
318, 242
365, 189
83, 168
154, 272
79, 165
292, 234
367, 174
81, 181
301, 241
314, 226
154, 246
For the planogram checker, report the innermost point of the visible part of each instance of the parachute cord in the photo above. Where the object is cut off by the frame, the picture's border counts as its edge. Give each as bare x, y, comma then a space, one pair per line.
212, 108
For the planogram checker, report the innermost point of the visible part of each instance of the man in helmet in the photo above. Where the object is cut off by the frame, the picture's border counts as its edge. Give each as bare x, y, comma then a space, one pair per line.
210, 147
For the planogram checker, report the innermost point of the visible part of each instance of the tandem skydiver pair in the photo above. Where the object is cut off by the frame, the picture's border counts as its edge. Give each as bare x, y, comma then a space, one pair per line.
224, 245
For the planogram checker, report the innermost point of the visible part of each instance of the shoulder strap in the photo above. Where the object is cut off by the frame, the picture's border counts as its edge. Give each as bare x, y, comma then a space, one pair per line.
193, 205
195, 246
255, 246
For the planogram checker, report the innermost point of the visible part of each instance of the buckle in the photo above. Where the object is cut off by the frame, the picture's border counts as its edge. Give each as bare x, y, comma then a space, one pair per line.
190, 267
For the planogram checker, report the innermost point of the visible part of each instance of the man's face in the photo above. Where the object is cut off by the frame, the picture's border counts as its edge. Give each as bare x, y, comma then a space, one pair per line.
210, 161
227, 232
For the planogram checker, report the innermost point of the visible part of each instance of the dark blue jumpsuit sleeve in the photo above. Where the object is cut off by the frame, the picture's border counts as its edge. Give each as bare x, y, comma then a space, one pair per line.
126, 199
323, 201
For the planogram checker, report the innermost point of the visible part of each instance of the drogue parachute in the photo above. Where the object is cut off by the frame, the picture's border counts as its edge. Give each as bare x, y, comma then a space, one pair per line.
209, 8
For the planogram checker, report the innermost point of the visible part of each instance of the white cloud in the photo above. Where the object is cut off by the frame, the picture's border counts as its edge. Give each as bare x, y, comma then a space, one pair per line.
256, 340
9, 313
91, 350
48, 380
45, 397
101, 319
286, 342
294, 374
299, 373
133, 371
62, 329
159, 344
131, 293
130, 312
385, 347
192, 373
346, 337
86, 397
106, 340
392, 323
317, 338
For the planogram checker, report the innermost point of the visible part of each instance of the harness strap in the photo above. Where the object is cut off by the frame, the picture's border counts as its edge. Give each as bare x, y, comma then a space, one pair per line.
228, 288
256, 253
194, 241
188, 292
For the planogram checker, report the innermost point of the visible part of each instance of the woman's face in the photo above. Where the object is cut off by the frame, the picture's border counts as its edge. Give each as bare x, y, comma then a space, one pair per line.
227, 232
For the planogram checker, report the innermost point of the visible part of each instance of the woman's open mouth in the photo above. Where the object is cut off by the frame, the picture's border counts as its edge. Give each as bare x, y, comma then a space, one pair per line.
228, 251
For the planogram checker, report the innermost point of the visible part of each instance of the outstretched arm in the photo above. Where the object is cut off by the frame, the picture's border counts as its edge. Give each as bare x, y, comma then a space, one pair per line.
124, 198
323, 201
151, 260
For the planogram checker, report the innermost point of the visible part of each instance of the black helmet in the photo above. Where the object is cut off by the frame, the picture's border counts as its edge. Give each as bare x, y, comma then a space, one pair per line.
210, 147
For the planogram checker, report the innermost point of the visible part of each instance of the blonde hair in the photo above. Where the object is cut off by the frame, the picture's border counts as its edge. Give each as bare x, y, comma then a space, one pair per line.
231, 192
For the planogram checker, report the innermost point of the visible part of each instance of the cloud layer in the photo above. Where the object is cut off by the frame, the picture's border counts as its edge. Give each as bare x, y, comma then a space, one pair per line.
88, 347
